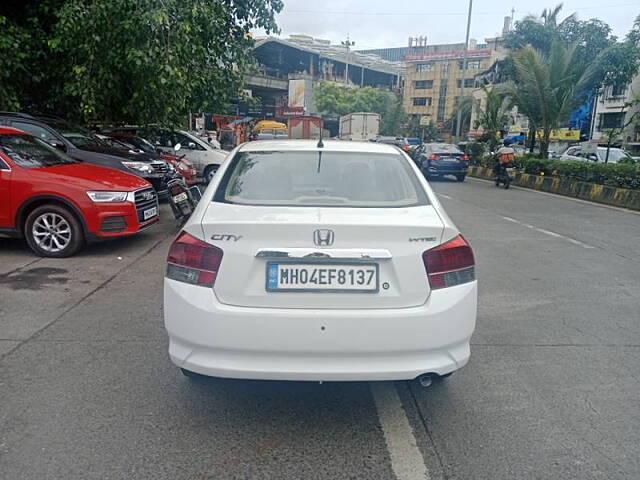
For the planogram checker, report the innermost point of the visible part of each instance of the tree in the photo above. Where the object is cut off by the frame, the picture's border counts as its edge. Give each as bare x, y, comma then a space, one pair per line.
549, 87
492, 115
153, 61
339, 99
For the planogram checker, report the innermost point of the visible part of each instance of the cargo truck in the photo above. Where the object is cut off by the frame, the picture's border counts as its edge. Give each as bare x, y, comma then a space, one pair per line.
359, 126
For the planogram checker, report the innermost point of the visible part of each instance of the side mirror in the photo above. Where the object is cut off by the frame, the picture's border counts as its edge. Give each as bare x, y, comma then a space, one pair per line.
58, 144
191, 146
177, 147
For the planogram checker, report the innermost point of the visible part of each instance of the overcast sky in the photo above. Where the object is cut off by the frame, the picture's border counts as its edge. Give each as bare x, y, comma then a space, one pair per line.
389, 23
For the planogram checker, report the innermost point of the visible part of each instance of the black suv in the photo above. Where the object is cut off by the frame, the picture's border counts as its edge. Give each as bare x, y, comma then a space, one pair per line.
82, 145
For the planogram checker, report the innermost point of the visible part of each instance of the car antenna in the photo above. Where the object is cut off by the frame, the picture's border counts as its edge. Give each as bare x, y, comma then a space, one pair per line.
320, 145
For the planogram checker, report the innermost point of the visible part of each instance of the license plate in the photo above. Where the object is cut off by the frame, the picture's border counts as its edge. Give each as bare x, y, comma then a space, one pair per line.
181, 197
150, 213
315, 277
449, 160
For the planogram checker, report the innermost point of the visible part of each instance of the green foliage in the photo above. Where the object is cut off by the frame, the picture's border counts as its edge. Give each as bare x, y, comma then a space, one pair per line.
339, 99
138, 61
613, 63
549, 86
476, 151
155, 60
614, 174
13, 56
492, 114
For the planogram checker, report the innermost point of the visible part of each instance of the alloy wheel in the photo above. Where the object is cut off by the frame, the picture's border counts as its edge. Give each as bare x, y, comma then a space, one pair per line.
51, 232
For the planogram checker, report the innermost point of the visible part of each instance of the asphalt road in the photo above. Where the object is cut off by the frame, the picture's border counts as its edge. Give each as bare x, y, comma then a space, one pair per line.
552, 390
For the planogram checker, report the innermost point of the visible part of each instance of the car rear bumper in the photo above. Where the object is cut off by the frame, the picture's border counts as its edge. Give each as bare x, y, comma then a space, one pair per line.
220, 340
445, 170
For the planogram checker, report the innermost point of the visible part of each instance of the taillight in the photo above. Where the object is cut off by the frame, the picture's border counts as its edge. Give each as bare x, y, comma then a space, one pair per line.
176, 190
450, 264
193, 261
465, 158
433, 156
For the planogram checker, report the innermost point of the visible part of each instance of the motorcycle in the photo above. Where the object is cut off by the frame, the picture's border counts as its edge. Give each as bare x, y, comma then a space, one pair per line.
182, 199
505, 175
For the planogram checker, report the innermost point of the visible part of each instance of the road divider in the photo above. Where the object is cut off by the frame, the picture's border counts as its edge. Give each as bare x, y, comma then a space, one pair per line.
619, 197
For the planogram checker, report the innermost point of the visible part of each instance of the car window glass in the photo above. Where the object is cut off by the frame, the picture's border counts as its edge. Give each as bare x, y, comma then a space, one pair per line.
615, 155
336, 179
30, 152
35, 130
3, 166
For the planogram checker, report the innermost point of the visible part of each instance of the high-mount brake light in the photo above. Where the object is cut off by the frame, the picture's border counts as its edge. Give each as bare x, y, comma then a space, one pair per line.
193, 261
450, 264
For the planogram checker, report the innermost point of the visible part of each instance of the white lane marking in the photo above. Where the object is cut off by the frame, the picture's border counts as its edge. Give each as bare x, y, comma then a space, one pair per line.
547, 232
444, 196
562, 197
407, 462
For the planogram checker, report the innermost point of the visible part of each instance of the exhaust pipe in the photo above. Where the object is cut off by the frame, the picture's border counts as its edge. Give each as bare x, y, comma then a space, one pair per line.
427, 379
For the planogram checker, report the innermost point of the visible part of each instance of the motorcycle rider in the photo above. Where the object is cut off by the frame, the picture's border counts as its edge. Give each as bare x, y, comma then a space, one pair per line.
505, 157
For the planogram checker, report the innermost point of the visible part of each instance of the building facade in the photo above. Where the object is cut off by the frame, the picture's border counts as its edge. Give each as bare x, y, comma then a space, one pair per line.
612, 114
434, 81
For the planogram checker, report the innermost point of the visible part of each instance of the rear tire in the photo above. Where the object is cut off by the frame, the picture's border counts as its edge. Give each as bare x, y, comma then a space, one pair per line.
53, 231
460, 178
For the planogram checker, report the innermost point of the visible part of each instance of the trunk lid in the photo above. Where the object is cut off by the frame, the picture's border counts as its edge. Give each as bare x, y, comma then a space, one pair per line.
393, 238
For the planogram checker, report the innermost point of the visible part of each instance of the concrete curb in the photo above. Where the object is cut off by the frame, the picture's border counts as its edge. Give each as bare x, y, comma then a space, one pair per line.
618, 197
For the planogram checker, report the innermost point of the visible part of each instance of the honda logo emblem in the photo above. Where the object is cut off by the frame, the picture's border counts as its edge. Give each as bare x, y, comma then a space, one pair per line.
323, 238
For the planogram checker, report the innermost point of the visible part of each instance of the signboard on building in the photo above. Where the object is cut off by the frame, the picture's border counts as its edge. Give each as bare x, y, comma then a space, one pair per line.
296, 93
458, 54
425, 120
561, 135
288, 112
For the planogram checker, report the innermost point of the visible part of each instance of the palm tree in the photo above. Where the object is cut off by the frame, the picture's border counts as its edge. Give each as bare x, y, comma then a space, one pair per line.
493, 112
549, 87
549, 17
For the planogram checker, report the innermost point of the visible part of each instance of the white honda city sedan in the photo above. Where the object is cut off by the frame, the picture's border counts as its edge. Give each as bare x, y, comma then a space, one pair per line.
324, 262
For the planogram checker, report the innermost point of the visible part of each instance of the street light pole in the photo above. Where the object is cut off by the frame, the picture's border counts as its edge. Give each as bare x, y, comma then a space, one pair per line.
348, 43
464, 71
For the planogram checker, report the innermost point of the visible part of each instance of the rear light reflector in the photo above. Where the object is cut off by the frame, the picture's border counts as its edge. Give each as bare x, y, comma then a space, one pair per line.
465, 158
433, 156
450, 264
193, 261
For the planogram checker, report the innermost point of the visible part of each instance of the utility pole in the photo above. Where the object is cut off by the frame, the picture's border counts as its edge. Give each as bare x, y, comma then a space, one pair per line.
348, 43
464, 71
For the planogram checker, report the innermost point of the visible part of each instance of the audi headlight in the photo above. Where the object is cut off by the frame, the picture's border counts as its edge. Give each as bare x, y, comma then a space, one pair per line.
108, 197
139, 166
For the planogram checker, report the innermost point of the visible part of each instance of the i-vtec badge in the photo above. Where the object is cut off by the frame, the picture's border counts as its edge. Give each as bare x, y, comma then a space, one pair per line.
225, 237
422, 239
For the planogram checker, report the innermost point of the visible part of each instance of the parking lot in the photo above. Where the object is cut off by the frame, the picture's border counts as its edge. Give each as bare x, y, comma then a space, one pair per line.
551, 392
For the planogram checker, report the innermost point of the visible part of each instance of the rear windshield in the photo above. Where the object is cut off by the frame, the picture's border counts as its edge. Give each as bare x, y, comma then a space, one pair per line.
615, 155
444, 148
30, 152
322, 179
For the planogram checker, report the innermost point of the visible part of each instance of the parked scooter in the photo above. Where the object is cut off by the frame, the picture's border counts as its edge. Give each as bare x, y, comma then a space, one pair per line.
183, 199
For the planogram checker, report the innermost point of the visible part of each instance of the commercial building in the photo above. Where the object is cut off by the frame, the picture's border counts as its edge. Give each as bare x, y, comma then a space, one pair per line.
612, 114
435, 80
289, 70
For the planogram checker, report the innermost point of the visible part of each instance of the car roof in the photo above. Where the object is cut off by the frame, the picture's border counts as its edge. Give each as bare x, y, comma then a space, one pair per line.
306, 145
11, 131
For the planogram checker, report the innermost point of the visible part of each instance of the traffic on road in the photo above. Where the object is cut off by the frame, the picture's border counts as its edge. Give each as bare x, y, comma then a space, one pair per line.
264, 239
